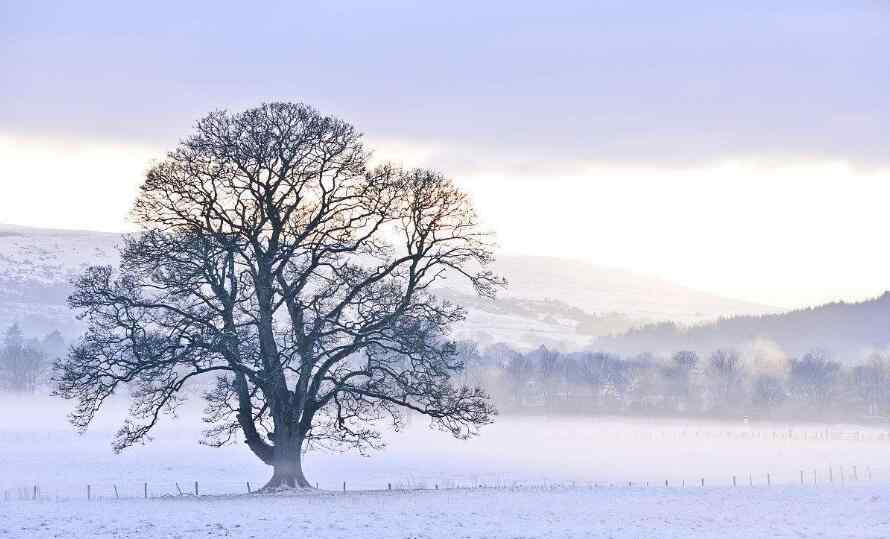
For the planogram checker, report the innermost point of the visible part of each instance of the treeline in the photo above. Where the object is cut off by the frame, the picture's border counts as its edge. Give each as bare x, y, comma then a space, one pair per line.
761, 383
842, 328
25, 363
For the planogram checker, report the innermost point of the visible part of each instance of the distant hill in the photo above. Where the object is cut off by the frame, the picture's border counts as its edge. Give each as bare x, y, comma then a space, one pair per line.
846, 331
558, 302
597, 289
36, 268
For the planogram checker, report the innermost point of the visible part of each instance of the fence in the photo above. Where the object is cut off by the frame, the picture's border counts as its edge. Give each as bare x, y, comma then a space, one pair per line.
832, 475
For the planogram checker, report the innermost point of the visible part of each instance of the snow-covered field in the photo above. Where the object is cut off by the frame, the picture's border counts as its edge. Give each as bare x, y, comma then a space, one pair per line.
527, 468
832, 512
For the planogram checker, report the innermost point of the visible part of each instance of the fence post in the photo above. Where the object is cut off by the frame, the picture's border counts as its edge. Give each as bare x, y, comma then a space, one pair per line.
733, 481
196, 488
145, 489
868, 471
703, 482
178, 488
389, 486
35, 492
855, 474
116, 495
248, 487
801, 477
344, 486
89, 494
769, 481
814, 477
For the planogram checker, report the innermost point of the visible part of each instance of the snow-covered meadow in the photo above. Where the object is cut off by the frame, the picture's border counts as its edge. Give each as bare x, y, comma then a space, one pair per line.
620, 513
523, 477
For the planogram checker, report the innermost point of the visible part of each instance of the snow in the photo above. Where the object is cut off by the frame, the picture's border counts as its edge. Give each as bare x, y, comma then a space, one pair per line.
526, 465
852, 511
37, 265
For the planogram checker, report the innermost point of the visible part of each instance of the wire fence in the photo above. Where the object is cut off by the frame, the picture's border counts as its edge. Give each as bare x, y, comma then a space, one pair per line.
129, 490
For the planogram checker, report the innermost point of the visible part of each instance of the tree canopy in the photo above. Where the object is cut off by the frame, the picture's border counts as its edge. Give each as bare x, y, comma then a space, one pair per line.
272, 256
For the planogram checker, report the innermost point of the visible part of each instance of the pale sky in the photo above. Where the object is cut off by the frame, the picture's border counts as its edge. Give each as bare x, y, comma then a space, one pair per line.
742, 150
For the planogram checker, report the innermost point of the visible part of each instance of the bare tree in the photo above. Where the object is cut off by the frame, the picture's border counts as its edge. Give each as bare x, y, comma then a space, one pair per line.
22, 363
273, 257
726, 378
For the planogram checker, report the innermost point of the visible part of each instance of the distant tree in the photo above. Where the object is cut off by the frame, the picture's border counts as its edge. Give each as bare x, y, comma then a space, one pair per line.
812, 380
726, 379
871, 383
768, 391
521, 378
53, 344
678, 376
21, 362
645, 388
272, 256
551, 374
606, 377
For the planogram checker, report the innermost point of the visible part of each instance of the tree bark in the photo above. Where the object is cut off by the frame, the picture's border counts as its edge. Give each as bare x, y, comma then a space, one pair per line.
287, 465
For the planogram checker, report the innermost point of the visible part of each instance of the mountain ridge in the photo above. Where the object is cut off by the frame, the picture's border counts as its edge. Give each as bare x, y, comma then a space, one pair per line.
554, 301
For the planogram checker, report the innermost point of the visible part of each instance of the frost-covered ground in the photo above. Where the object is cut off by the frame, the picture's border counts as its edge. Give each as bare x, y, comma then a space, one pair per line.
831, 512
532, 461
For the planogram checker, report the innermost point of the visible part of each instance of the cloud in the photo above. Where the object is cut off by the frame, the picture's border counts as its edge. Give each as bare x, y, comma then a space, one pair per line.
669, 84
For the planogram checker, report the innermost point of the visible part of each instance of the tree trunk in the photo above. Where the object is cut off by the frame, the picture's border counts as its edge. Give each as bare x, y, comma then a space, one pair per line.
288, 467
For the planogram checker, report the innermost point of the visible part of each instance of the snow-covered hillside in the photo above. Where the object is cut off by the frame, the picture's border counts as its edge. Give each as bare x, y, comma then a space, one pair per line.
550, 301
598, 289
36, 267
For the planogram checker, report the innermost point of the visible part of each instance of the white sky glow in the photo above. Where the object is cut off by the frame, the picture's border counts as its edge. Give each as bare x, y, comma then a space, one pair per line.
786, 235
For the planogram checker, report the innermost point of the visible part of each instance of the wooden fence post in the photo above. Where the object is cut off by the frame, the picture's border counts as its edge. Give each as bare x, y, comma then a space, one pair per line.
855, 474
769, 481
196, 488
248, 487
89, 494
344, 486
145, 490
116, 495
703, 482
801, 477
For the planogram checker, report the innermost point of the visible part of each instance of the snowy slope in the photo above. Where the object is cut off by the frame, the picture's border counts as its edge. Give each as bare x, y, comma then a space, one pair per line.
598, 289
36, 267
524, 513
549, 301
